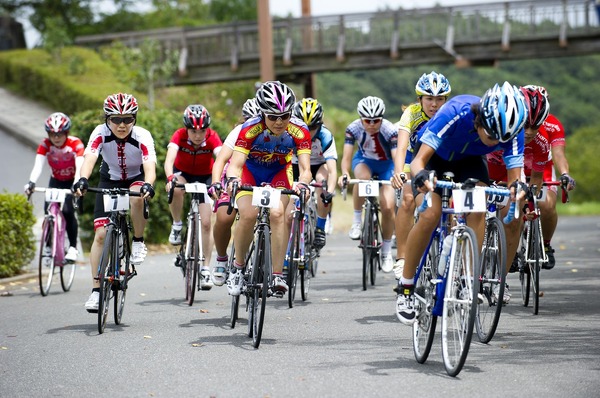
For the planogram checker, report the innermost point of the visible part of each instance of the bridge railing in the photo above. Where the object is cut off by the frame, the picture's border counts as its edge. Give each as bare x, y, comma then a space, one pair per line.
386, 30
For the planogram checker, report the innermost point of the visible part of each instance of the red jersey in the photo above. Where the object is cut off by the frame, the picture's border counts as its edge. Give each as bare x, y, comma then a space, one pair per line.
195, 161
62, 160
535, 158
554, 131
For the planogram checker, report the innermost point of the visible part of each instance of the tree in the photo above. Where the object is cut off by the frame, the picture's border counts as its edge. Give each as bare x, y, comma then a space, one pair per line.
144, 68
233, 10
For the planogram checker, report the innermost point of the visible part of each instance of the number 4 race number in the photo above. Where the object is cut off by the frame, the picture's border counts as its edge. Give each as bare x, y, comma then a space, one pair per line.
469, 200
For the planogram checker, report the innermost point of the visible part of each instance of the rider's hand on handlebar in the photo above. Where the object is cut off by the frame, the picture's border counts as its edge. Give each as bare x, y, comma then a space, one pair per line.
422, 181
81, 186
327, 197
147, 190
214, 191
398, 180
567, 181
518, 187
171, 181
29, 188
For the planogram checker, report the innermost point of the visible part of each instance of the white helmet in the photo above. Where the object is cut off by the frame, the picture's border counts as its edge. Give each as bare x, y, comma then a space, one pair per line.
371, 107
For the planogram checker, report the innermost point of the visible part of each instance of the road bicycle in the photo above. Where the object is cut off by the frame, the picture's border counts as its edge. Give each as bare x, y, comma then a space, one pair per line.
259, 268
190, 257
492, 277
447, 278
53, 245
115, 269
370, 240
531, 252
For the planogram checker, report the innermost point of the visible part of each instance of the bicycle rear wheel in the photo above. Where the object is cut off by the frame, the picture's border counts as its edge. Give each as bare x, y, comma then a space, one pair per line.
120, 286
260, 284
106, 276
534, 265
293, 259
46, 258
492, 279
460, 301
235, 300
67, 273
375, 257
424, 327
366, 243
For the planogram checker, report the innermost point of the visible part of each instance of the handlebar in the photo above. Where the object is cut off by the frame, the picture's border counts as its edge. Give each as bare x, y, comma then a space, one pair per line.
120, 192
565, 193
65, 190
236, 187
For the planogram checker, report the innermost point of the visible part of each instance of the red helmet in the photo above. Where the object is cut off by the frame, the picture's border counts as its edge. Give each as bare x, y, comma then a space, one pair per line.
120, 104
58, 123
538, 106
196, 117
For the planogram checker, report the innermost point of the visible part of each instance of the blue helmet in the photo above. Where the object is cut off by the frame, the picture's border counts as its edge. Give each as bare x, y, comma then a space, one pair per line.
503, 111
434, 84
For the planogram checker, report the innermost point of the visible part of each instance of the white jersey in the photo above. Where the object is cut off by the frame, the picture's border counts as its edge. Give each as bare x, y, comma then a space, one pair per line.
232, 137
121, 159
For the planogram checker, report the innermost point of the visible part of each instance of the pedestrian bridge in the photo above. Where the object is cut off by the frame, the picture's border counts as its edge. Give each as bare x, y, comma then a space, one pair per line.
473, 35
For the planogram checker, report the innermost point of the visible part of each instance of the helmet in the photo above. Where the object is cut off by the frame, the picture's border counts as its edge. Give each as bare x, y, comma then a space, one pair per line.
250, 108
309, 110
57, 123
275, 97
196, 117
538, 106
371, 107
434, 84
120, 104
539, 88
503, 111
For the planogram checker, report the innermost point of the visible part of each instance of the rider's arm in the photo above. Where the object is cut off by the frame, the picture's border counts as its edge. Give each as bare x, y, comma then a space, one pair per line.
421, 159
560, 159
304, 167
535, 178
400, 156
332, 177
170, 159
347, 158
78, 164
149, 172
37, 168
89, 160
235, 164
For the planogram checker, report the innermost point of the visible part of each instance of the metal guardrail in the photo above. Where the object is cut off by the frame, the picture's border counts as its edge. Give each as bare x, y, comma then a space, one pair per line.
395, 31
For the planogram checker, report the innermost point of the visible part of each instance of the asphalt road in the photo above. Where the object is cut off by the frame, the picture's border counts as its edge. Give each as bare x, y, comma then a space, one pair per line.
342, 342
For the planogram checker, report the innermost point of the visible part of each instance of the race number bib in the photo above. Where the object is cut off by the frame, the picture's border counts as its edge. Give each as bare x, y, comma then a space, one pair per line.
55, 195
116, 202
542, 195
499, 200
266, 197
368, 189
196, 187
469, 200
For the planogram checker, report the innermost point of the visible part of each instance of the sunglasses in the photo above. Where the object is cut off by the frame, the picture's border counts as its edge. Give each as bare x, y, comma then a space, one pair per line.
56, 135
282, 116
118, 120
372, 121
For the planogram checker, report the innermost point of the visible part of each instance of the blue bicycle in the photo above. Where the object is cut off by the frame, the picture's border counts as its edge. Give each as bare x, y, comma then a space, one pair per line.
447, 281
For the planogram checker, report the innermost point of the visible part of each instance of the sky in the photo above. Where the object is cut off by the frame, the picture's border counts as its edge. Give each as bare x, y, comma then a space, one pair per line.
318, 7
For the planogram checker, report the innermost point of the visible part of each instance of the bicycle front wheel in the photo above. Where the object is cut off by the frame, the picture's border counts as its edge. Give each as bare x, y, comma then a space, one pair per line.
460, 301
260, 284
46, 259
123, 274
375, 257
293, 259
235, 300
191, 252
524, 274
67, 275
424, 327
366, 243
106, 276
492, 280
306, 273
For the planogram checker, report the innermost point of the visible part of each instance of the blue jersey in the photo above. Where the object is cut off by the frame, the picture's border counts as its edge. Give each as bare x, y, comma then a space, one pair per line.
375, 147
453, 137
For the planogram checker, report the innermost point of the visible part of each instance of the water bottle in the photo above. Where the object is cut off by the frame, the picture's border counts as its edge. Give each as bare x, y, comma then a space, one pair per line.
447, 245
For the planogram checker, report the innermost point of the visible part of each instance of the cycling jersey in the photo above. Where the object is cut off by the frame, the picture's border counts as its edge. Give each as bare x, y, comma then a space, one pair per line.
121, 159
322, 148
62, 160
451, 133
377, 146
269, 156
536, 156
412, 120
191, 160
554, 130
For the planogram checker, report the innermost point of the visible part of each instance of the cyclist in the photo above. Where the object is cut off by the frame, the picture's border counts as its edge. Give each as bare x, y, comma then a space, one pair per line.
262, 154
323, 160
224, 221
536, 153
128, 161
454, 140
190, 159
432, 91
64, 154
556, 133
377, 139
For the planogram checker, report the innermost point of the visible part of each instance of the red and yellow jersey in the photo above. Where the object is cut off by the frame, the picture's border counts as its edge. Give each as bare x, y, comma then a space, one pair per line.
62, 160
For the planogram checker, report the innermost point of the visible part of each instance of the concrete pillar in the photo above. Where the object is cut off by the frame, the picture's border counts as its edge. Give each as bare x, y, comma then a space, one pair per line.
265, 37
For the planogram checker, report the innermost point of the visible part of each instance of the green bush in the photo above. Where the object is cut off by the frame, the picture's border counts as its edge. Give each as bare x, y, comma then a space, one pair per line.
582, 148
17, 243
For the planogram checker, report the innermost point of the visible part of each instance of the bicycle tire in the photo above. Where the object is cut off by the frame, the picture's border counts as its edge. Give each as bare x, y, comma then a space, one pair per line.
536, 241
123, 267
375, 258
293, 259
105, 277
424, 326
191, 260
67, 272
460, 301
492, 279
306, 271
46, 263
366, 242
260, 284
235, 300
524, 275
